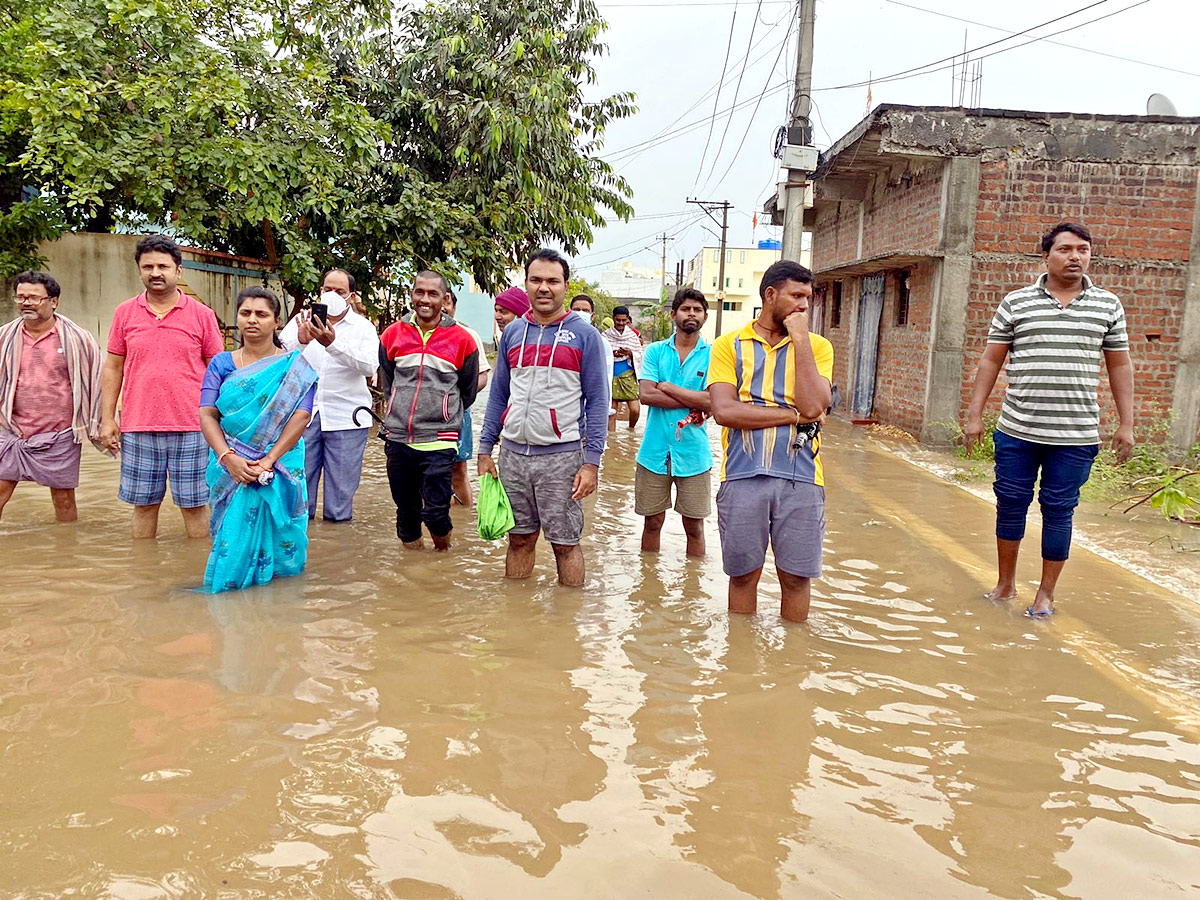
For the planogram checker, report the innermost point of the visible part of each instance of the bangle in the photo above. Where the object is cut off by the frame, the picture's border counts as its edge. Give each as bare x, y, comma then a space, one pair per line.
798, 417
223, 455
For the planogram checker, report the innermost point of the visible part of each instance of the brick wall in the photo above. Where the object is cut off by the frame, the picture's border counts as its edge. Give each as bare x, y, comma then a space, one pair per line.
903, 365
902, 215
1140, 217
835, 235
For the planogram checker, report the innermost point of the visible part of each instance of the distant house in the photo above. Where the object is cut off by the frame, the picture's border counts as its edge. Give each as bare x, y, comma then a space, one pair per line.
744, 267
925, 217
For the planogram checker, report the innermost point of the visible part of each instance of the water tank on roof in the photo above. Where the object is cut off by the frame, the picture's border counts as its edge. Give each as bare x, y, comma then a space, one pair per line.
770, 244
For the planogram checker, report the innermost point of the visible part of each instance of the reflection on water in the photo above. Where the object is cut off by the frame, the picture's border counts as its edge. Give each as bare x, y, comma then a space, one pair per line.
395, 724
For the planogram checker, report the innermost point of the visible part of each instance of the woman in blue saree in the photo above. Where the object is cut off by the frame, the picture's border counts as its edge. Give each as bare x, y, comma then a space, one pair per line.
254, 405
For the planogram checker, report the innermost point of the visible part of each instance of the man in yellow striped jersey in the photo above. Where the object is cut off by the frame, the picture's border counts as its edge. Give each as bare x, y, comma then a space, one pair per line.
767, 382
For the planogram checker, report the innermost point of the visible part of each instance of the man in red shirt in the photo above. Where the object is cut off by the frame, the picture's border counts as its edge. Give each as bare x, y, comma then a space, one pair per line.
159, 345
49, 395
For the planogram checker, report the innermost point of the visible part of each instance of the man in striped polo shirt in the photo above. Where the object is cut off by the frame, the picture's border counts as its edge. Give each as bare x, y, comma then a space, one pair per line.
1054, 333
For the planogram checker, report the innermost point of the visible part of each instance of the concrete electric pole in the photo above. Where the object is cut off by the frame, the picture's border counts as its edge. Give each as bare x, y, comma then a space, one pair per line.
799, 156
662, 285
708, 206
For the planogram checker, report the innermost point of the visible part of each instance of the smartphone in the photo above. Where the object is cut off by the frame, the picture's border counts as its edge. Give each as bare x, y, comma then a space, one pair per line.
320, 313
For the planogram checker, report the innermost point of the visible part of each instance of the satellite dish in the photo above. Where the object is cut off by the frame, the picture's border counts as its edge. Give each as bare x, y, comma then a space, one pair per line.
1159, 105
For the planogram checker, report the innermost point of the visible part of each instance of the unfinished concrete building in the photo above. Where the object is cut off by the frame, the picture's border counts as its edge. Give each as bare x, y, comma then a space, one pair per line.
925, 217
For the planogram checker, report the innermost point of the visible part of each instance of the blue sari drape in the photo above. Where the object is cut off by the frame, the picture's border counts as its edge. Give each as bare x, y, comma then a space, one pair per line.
259, 531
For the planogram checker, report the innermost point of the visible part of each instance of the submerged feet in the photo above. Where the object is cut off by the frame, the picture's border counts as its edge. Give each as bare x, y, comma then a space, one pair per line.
1043, 606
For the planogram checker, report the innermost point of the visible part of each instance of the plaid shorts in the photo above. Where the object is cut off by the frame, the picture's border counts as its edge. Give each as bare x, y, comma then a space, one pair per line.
147, 457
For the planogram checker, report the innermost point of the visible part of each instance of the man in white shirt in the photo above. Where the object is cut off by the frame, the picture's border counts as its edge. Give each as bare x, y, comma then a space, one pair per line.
460, 480
583, 306
345, 352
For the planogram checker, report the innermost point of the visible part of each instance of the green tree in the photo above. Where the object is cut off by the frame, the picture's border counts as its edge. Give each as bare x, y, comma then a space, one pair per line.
320, 132
221, 120
494, 148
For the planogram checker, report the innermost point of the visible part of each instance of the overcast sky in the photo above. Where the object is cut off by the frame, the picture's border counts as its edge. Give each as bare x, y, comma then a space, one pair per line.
670, 54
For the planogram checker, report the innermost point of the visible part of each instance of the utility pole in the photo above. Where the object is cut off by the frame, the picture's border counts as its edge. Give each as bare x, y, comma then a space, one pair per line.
662, 286
708, 206
799, 135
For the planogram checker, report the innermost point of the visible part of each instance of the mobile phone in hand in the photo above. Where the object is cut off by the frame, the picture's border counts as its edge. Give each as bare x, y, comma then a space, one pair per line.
320, 313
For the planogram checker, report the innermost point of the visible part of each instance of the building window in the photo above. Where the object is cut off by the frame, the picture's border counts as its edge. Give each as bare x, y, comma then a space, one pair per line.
731, 305
728, 256
902, 298
727, 280
757, 311
716, 256
739, 282
741, 256
835, 309
714, 284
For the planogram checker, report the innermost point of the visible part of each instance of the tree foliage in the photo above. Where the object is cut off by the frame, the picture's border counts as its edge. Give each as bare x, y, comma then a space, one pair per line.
452, 135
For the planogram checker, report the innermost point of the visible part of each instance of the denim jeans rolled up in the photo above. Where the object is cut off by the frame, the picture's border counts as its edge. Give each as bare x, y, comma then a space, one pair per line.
1064, 470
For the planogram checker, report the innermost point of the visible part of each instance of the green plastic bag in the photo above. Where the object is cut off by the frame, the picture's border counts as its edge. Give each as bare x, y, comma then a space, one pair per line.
495, 512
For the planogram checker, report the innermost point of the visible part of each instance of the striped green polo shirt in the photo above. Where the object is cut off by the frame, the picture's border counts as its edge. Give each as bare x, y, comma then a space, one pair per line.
1054, 359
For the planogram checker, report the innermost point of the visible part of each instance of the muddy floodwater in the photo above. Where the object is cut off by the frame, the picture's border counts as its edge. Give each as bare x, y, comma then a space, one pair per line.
399, 724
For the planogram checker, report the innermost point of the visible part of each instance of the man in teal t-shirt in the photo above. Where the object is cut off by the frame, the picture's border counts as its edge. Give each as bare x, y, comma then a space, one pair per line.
675, 449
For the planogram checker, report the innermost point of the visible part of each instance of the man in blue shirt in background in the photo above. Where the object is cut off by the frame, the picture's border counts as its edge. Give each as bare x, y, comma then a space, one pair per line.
675, 449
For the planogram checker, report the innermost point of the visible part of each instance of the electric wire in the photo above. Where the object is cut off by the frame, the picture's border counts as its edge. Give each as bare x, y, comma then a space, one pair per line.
902, 75
749, 125
918, 70
700, 100
712, 121
1128, 59
736, 90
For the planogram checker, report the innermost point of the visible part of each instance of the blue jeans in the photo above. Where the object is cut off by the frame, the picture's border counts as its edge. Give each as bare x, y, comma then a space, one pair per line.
1064, 470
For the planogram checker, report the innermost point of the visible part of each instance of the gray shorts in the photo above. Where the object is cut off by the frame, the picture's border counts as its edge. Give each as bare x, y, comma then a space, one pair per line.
790, 515
539, 489
652, 493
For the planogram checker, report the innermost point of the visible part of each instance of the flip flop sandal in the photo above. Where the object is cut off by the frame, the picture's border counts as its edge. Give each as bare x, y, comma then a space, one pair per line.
1040, 614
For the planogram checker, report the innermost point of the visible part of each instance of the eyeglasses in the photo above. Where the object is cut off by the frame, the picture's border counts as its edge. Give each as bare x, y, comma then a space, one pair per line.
27, 299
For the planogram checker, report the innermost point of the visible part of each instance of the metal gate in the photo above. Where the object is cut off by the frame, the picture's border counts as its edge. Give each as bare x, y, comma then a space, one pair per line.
870, 313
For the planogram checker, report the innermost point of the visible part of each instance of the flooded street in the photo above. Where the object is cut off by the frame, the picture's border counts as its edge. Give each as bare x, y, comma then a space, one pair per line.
398, 724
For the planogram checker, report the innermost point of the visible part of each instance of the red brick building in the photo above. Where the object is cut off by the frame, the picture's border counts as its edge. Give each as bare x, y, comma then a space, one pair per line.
925, 217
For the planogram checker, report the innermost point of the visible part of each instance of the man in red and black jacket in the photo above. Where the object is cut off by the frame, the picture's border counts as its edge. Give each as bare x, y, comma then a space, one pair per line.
430, 368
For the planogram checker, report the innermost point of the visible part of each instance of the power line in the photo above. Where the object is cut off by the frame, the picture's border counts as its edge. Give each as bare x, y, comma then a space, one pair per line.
926, 70
1128, 59
742, 142
702, 98
646, 217
737, 90
898, 76
690, 222
712, 121
691, 126
913, 72
1033, 40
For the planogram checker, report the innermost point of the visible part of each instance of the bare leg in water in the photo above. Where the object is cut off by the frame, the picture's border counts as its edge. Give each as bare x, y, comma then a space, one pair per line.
1006, 583
518, 562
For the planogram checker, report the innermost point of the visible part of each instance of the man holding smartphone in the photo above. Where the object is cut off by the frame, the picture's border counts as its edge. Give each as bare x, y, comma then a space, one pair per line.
343, 347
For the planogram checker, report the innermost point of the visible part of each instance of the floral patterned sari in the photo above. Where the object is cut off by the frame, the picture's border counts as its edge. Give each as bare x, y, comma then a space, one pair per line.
259, 531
